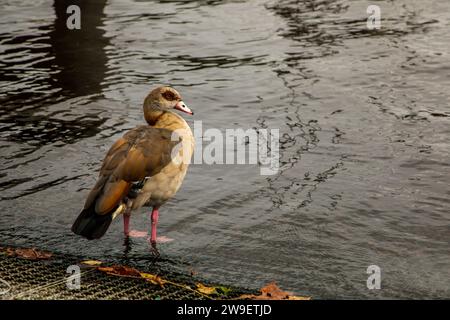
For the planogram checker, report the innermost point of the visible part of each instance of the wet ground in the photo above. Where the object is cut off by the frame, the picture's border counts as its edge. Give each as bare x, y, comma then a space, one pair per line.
364, 120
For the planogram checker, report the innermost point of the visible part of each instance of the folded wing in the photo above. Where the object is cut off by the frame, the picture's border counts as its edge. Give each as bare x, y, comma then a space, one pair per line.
140, 153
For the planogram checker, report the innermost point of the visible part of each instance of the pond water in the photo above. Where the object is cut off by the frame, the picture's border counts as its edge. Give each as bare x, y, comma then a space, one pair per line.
364, 120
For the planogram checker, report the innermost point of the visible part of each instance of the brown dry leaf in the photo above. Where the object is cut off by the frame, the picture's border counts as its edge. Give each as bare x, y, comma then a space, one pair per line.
106, 269
153, 278
10, 252
120, 271
30, 254
131, 272
298, 298
91, 262
272, 292
206, 290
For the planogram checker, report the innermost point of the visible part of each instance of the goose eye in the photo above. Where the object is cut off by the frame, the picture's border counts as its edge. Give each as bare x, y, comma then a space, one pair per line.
169, 95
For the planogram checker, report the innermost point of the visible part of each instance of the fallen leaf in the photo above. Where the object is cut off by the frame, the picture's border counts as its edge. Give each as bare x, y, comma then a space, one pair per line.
120, 271
272, 292
206, 290
155, 279
131, 272
106, 269
298, 298
91, 262
30, 254
224, 290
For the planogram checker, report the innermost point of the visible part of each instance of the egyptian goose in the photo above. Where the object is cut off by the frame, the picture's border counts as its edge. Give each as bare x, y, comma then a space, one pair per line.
146, 166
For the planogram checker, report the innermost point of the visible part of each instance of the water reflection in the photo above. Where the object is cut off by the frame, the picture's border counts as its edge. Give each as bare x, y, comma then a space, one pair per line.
79, 54
67, 63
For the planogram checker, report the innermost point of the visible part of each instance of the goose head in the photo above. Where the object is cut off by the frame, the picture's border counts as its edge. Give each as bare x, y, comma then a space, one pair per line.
164, 99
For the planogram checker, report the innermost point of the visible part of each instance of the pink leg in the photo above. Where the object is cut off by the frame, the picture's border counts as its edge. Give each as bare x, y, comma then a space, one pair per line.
154, 218
126, 224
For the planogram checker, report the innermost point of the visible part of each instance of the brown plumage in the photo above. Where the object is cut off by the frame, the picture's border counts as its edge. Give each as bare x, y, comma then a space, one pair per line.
146, 166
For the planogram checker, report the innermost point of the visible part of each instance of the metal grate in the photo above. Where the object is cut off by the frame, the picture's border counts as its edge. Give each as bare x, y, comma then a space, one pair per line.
47, 279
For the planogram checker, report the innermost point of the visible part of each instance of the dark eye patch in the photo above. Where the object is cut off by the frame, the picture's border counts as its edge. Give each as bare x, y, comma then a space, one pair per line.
169, 95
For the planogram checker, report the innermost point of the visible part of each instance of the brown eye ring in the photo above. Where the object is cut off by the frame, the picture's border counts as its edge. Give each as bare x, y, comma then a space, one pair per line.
169, 95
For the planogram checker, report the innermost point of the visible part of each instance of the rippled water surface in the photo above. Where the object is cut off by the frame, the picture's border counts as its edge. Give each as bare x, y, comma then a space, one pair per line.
364, 121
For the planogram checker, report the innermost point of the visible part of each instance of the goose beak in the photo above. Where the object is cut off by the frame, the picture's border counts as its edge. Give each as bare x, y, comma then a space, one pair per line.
183, 107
